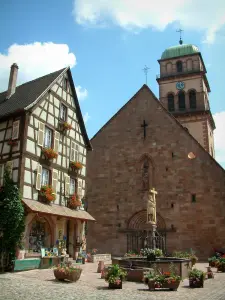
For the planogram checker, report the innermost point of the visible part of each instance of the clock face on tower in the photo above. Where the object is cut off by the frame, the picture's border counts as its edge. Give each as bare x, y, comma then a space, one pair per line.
180, 85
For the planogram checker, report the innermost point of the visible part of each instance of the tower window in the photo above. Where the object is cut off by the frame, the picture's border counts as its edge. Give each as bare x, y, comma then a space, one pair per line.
193, 198
179, 66
192, 99
171, 102
181, 100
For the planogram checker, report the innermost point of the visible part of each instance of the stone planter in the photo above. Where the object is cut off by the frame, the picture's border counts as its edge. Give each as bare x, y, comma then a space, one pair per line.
173, 286
151, 257
196, 282
71, 276
99, 257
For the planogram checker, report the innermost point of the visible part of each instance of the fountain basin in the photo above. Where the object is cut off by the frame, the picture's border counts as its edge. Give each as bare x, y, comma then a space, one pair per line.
136, 266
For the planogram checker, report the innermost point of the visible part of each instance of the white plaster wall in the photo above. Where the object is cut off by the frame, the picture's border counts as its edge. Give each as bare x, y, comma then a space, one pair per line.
27, 192
30, 147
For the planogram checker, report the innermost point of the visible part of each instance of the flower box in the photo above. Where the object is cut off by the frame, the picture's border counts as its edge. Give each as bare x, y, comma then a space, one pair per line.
172, 285
46, 194
74, 202
76, 165
63, 274
49, 153
63, 126
196, 282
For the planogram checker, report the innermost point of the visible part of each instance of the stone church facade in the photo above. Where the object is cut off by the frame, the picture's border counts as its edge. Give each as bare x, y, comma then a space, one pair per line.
154, 144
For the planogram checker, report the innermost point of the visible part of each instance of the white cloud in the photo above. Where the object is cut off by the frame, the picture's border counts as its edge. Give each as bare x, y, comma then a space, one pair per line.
219, 137
138, 14
81, 92
86, 117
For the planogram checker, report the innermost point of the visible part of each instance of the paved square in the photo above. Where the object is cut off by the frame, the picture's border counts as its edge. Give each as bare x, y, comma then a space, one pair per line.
40, 284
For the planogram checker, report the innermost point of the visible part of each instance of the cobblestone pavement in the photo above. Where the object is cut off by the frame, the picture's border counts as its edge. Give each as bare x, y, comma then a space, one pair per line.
40, 284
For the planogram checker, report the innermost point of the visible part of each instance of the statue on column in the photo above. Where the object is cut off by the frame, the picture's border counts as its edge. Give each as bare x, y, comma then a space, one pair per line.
151, 207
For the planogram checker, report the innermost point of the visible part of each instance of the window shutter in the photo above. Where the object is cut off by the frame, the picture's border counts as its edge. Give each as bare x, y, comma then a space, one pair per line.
54, 180
72, 151
41, 134
1, 174
9, 167
38, 178
56, 141
67, 185
80, 188
76, 152
15, 130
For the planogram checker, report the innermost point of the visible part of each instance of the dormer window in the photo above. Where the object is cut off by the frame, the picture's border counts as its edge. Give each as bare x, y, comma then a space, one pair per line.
65, 83
63, 112
179, 66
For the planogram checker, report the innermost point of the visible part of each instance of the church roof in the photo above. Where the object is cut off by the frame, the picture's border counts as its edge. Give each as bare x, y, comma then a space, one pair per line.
179, 50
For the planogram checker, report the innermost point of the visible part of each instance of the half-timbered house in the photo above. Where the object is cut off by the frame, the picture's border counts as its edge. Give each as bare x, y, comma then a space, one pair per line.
43, 142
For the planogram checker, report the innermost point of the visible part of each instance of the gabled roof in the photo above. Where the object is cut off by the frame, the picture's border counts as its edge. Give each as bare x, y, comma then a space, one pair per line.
26, 94
166, 111
29, 93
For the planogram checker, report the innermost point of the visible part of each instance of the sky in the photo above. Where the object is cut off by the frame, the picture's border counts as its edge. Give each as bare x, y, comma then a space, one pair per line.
107, 43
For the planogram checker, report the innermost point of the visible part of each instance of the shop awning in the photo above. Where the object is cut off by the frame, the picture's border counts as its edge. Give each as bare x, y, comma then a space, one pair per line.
57, 210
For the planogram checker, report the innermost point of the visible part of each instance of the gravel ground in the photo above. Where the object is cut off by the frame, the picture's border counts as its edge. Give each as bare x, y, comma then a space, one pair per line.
41, 284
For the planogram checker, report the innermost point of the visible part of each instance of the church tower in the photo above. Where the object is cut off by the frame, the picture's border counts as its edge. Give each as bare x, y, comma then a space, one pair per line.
184, 91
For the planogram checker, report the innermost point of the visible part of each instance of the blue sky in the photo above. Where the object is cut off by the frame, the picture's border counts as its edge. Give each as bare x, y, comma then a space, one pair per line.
107, 44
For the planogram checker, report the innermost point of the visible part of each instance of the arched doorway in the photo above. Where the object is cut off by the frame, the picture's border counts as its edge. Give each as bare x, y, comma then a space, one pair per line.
139, 233
40, 234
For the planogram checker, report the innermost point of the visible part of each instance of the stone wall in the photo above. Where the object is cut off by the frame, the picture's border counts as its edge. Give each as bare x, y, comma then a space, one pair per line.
191, 194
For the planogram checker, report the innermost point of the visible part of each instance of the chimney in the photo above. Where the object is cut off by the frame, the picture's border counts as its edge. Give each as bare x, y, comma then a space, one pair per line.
12, 80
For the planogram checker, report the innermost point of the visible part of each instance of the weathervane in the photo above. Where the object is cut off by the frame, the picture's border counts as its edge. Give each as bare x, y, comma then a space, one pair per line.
180, 41
146, 73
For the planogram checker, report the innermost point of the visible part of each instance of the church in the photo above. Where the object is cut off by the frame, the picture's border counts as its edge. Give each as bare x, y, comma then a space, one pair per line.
166, 146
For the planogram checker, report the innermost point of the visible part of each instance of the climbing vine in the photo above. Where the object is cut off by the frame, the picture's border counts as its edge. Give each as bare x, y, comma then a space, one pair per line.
11, 221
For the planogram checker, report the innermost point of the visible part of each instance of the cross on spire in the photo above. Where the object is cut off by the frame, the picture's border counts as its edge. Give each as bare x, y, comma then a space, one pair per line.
180, 31
146, 72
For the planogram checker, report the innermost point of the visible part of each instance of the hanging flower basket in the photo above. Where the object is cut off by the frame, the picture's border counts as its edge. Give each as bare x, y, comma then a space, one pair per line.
46, 194
74, 202
76, 165
63, 126
12, 142
49, 153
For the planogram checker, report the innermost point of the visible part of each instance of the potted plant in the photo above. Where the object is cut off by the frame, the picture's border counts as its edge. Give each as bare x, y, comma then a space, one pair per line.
220, 264
196, 278
64, 126
74, 201
151, 254
115, 276
49, 153
212, 261
156, 279
67, 272
46, 194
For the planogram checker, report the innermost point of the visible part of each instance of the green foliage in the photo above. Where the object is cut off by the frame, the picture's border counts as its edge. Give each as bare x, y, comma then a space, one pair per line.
115, 274
188, 255
212, 259
147, 252
159, 277
196, 274
11, 219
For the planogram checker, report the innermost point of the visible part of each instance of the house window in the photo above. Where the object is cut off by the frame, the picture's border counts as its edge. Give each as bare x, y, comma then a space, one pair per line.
192, 99
63, 112
48, 138
45, 177
72, 186
171, 102
181, 100
179, 66
193, 198
65, 84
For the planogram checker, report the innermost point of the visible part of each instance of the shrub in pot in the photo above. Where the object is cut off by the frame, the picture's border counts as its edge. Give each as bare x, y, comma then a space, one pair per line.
220, 264
212, 261
115, 276
196, 278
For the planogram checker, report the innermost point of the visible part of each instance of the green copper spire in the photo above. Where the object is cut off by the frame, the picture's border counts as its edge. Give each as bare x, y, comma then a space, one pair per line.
179, 50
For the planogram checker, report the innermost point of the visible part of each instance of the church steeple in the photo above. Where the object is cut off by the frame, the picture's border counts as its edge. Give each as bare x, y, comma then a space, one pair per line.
183, 90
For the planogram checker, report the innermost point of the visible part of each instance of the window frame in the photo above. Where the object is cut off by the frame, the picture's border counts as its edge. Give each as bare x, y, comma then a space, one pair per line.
60, 110
192, 99
50, 145
72, 192
181, 105
179, 66
170, 102
49, 176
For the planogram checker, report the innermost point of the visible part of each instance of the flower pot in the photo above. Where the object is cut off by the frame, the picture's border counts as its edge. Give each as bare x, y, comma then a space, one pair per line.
71, 276
83, 260
212, 264
221, 268
196, 282
172, 286
115, 286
